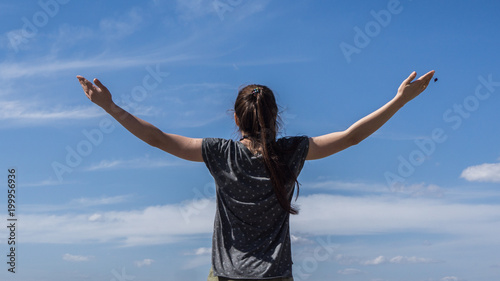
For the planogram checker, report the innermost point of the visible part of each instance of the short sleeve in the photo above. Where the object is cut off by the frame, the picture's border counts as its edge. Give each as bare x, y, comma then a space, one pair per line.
295, 151
212, 150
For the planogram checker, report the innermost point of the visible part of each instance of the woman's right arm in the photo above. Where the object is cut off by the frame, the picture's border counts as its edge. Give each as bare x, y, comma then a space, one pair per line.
326, 145
180, 146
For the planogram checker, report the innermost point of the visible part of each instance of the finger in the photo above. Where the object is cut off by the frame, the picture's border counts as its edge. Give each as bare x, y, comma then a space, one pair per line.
426, 79
81, 79
100, 85
83, 82
427, 76
86, 85
410, 78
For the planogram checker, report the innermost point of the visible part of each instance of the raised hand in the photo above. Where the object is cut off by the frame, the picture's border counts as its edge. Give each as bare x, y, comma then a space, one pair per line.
97, 93
408, 90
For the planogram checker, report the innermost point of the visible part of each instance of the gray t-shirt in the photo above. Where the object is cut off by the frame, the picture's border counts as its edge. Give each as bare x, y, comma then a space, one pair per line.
251, 237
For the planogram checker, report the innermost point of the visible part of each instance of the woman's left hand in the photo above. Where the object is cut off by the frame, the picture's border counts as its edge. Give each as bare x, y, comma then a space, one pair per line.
408, 90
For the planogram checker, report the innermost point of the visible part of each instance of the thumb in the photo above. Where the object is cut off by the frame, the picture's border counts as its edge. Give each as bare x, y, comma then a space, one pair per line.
99, 84
411, 77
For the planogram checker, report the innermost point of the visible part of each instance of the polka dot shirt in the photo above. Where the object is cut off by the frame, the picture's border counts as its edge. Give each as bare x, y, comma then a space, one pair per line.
251, 236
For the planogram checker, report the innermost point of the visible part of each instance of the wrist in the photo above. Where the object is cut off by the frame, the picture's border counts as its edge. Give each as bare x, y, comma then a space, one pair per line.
110, 107
399, 100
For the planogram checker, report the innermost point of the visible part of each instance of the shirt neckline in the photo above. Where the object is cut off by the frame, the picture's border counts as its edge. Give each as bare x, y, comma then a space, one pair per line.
248, 150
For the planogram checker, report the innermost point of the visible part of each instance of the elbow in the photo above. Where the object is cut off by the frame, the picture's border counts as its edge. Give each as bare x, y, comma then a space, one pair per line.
354, 139
153, 139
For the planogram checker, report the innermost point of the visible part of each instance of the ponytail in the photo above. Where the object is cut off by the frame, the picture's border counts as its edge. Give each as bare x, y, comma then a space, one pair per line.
257, 111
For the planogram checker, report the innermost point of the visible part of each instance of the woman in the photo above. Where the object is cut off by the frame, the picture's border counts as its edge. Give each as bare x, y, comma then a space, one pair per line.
256, 176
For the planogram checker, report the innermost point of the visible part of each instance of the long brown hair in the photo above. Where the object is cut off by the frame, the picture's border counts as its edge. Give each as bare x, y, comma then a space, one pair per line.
258, 117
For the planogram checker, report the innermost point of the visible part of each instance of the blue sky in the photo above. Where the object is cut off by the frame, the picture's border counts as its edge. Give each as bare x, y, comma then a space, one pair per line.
418, 200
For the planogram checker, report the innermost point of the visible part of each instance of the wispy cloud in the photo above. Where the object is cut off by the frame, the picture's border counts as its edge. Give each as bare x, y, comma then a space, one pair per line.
413, 260
193, 9
376, 261
76, 204
198, 104
138, 163
413, 190
398, 260
324, 214
49, 65
239, 10
144, 262
87, 202
488, 172
200, 251
129, 228
200, 256
125, 25
321, 214
46, 182
450, 278
76, 258
349, 271
22, 113
296, 239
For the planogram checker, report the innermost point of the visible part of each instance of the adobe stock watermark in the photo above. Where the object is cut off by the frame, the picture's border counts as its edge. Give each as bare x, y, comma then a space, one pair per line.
322, 252
123, 276
454, 117
94, 137
223, 6
48, 10
363, 36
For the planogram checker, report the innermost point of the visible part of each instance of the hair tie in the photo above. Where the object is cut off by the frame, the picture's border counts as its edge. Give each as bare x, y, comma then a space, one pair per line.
255, 91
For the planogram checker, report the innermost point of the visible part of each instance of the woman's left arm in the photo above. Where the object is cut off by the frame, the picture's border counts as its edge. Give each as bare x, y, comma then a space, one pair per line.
180, 146
326, 145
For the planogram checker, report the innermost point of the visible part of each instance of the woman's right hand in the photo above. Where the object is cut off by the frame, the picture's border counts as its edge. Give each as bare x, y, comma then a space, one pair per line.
97, 93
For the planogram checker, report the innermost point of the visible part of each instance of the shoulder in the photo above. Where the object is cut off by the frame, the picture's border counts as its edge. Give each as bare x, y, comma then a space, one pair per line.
293, 142
213, 141
216, 143
217, 146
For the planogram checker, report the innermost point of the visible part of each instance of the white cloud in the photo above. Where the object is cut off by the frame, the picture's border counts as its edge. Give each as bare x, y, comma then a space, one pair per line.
203, 251
69, 35
75, 258
324, 214
321, 214
397, 260
139, 163
200, 252
95, 217
450, 278
87, 202
489, 172
345, 185
144, 262
192, 9
295, 239
49, 65
414, 190
22, 112
47, 182
419, 190
123, 26
130, 228
349, 271
80, 203
407, 260
376, 261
